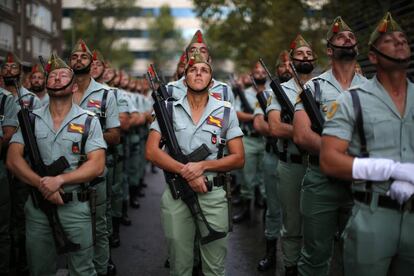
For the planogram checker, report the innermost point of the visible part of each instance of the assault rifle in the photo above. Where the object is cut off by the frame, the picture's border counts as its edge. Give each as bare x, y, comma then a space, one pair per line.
178, 186
62, 243
287, 108
309, 104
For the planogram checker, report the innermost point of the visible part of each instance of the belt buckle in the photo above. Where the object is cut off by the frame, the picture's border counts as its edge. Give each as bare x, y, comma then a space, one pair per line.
222, 141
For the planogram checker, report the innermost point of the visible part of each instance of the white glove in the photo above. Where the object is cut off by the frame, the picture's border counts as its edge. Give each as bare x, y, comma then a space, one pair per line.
404, 172
401, 191
375, 169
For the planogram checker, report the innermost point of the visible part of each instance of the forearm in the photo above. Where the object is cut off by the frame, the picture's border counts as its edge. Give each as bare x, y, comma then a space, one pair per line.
281, 130
225, 164
21, 169
310, 141
336, 164
245, 117
261, 125
112, 136
85, 173
163, 160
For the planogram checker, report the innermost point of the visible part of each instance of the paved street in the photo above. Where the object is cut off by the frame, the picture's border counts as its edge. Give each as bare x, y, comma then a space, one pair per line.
143, 249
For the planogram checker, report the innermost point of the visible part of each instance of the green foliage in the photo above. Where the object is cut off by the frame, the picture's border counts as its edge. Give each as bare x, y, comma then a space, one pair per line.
167, 42
245, 30
89, 25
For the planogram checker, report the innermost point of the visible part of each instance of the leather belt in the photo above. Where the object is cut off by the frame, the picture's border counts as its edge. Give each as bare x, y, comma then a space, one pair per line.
293, 158
314, 160
383, 201
80, 196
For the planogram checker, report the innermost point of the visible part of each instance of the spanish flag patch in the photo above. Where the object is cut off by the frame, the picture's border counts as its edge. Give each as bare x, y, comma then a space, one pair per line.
76, 128
216, 95
94, 103
211, 120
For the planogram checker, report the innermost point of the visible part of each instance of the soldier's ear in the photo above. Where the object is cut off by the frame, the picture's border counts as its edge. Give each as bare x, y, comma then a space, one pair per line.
75, 88
329, 52
372, 57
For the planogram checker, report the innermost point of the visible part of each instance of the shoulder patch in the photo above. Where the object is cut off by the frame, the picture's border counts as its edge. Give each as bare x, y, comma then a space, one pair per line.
76, 128
94, 103
332, 110
215, 121
216, 95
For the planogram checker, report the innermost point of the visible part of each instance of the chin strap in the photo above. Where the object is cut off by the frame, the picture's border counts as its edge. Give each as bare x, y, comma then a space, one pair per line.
396, 60
330, 45
199, 90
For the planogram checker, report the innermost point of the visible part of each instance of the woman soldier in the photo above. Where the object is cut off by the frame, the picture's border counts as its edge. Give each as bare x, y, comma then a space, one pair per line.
198, 118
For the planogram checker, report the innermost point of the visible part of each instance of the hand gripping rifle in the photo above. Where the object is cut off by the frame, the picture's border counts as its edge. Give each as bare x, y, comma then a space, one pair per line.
309, 104
178, 186
287, 108
62, 243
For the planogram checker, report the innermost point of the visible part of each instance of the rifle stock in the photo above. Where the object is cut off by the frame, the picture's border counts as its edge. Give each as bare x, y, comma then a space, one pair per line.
309, 104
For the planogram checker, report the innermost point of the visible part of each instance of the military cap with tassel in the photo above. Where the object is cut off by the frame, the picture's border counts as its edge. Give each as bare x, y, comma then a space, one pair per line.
337, 26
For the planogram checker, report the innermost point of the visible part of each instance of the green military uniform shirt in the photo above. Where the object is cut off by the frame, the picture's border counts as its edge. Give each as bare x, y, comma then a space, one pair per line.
92, 101
330, 90
10, 109
29, 99
388, 134
66, 141
207, 130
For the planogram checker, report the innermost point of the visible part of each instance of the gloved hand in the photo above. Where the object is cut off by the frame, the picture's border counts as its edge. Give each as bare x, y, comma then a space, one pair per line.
375, 169
401, 191
403, 172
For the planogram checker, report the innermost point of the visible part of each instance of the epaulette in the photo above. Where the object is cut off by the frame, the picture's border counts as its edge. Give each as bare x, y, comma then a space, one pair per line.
226, 104
90, 113
5, 92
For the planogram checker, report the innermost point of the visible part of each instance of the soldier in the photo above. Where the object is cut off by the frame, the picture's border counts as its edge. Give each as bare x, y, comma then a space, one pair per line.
325, 202
8, 127
38, 85
98, 99
114, 154
368, 137
58, 127
291, 168
273, 221
253, 142
197, 114
218, 89
11, 71
179, 72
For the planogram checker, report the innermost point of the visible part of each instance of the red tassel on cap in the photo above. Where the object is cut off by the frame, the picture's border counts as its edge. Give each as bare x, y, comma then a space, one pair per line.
94, 56
199, 37
83, 46
152, 73
293, 45
335, 28
191, 62
182, 58
48, 67
10, 58
382, 28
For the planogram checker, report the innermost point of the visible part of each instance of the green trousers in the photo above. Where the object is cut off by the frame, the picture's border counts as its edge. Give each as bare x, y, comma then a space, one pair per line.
326, 206
101, 248
180, 233
76, 221
134, 163
5, 212
116, 184
273, 212
374, 237
289, 181
254, 149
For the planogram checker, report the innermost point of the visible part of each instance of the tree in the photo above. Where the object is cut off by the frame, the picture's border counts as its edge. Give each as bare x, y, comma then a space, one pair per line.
244, 30
97, 26
167, 42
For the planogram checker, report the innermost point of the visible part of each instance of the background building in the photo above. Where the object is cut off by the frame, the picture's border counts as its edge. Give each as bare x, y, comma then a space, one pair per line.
30, 28
134, 31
